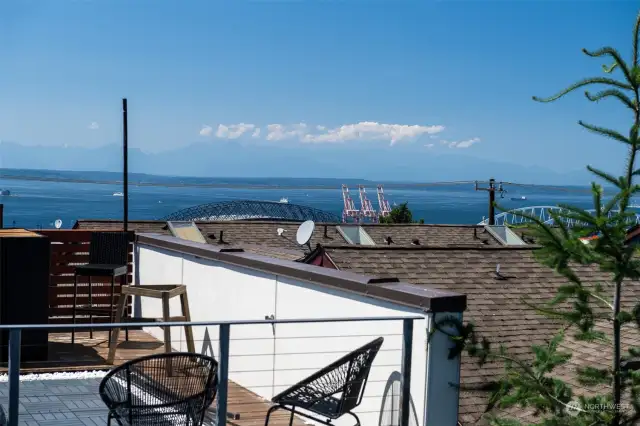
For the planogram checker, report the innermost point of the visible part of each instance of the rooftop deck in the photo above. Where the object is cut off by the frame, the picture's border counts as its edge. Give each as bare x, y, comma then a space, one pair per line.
71, 402
263, 344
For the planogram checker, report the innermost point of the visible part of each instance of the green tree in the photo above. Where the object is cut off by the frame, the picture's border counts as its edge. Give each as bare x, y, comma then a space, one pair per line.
400, 214
532, 383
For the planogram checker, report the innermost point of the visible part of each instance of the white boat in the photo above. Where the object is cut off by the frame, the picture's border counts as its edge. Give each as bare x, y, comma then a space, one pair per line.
518, 198
284, 200
118, 194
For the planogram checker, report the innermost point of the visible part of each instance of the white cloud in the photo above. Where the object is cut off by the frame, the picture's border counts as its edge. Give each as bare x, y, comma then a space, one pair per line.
94, 126
369, 130
233, 131
278, 132
206, 130
463, 144
362, 131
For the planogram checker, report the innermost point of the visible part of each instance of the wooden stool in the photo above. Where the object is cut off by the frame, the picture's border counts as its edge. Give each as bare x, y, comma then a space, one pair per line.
160, 291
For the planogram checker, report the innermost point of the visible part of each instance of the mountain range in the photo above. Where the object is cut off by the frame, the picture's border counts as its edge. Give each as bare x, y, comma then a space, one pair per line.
235, 159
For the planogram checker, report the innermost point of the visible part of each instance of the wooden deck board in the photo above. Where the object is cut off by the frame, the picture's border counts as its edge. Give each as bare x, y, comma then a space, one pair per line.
91, 354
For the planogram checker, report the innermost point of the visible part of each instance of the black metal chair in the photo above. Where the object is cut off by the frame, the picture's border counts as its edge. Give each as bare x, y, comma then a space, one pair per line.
162, 389
333, 391
108, 253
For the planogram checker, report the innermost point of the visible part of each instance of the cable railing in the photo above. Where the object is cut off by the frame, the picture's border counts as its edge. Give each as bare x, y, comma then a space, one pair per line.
256, 361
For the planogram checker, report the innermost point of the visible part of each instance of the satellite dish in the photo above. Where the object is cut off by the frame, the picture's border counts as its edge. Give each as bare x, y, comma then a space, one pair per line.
58, 224
280, 231
305, 231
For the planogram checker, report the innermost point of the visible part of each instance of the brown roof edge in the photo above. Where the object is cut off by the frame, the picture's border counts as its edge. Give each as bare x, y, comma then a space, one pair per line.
382, 289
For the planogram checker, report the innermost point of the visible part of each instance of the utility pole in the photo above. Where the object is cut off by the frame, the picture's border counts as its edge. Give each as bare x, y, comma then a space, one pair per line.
492, 198
125, 165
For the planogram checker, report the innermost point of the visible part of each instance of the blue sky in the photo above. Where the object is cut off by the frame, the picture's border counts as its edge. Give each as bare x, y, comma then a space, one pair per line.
424, 71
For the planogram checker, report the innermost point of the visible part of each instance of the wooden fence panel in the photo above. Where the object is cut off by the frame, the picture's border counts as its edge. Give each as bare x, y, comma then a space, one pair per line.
70, 248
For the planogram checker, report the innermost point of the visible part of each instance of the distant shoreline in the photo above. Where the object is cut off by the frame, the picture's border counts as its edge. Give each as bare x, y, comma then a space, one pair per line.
268, 187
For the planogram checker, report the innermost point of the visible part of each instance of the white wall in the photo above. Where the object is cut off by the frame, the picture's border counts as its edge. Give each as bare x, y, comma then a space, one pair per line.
266, 359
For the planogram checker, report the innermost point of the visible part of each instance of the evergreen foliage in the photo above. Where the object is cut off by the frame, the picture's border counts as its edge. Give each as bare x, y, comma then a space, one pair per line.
400, 214
581, 306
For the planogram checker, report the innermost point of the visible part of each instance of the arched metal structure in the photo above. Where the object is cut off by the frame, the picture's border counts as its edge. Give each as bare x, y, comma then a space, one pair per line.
252, 210
541, 212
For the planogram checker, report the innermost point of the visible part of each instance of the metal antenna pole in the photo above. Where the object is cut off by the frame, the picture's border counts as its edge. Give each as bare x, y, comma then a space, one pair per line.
125, 168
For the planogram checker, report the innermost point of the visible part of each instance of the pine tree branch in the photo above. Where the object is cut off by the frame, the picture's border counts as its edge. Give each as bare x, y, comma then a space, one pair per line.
606, 132
605, 176
613, 202
616, 57
585, 82
609, 93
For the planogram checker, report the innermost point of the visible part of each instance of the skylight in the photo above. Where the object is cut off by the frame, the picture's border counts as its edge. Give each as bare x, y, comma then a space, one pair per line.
186, 231
505, 235
354, 234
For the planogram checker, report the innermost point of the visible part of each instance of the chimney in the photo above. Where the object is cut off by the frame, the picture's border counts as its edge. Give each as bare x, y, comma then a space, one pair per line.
220, 240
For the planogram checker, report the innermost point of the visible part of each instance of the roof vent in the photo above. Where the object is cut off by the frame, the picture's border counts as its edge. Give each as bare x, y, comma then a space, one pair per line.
499, 276
388, 240
415, 242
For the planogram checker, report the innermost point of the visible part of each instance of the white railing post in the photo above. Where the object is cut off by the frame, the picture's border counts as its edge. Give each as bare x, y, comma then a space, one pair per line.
223, 374
407, 349
14, 376
443, 374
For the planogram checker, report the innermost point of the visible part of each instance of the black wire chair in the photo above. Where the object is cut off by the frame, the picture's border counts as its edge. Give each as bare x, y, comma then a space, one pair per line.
165, 389
333, 391
108, 253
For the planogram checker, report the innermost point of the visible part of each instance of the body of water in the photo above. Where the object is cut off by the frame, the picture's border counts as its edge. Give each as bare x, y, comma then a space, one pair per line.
34, 204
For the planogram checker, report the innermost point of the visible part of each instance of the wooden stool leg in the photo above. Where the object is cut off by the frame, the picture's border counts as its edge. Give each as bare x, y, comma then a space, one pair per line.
90, 307
188, 330
113, 295
167, 330
115, 333
75, 303
123, 282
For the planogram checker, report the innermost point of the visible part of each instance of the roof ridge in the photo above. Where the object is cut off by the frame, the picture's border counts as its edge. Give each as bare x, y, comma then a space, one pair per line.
427, 247
434, 225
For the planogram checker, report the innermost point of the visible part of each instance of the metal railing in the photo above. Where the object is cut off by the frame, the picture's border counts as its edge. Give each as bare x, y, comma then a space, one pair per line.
402, 334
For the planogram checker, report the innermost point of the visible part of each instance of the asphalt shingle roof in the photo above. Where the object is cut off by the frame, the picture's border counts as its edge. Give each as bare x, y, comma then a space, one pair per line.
494, 302
264, 233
